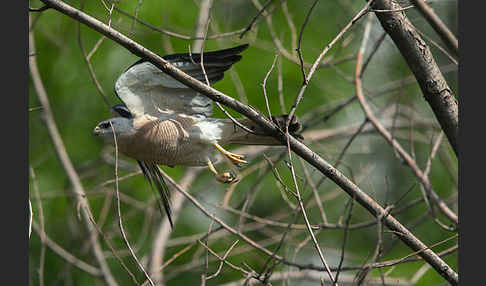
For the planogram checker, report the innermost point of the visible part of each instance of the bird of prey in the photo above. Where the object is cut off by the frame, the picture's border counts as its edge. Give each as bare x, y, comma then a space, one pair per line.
163, 122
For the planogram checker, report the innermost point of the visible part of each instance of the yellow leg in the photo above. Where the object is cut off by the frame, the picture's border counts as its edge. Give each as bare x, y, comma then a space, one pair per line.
225, 178
234, 158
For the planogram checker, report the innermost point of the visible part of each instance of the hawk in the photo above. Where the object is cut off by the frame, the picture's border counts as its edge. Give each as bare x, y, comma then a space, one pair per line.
163, 122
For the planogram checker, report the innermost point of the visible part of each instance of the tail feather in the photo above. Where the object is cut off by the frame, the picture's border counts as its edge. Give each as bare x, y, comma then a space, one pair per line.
152, 173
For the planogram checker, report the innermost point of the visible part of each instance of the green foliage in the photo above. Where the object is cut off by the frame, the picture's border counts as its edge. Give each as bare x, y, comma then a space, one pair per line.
78, 106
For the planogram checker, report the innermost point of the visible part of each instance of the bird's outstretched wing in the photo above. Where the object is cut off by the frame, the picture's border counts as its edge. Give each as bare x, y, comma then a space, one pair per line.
145, 89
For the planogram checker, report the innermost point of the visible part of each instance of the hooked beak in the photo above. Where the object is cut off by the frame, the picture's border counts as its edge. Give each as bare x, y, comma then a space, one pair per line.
97, 131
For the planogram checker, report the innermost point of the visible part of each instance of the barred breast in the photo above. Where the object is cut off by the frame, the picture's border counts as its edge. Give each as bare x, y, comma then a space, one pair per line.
166, 142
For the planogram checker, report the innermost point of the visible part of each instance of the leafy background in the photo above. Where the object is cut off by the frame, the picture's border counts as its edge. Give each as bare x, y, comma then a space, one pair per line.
77, 107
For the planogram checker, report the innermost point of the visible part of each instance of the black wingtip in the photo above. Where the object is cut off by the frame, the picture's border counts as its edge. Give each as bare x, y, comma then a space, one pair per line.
152, 173
196, 57
215, 62
234, 50
230, 52
210, 55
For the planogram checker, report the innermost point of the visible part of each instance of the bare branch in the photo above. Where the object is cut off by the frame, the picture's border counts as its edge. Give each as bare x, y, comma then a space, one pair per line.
31, 217
223, 259
42, 230
163, 233
82, 202
422, 63
264, 85
120, 223
319, 277
299, 43
253, 21
88, 63
396, 146
307, 223
66, 255
43, 8
446, 35
453, 278
174, 34
319, 59
298, 147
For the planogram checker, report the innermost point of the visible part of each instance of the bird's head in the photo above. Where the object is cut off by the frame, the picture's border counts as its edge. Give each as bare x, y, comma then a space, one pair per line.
121, 125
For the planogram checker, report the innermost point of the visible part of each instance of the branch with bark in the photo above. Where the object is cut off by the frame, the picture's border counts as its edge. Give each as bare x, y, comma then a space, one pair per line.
434, 87
419, 58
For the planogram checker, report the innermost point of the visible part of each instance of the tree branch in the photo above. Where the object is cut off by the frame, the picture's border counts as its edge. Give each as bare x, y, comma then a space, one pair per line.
445, 34
420, 60
78, 190
271, 129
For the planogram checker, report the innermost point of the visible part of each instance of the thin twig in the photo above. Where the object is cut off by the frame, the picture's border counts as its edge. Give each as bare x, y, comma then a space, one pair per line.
290, 23
42, 256
403, 154
280, 87
317, 277
132, 25
35, 108
298, 147
88, 63
345, 237
202, 26
223, 259
95, 47
168, 33
453, 60
304, 213
82, 202
255, 18
120, 223
446, 35
392, 10
419, 58
160, 242
43, 8
31, 217
170, 260
314, 191
319, 58
206, 256
435, 147
66, 255
373, 51
114, 252
361, 275
264, 84
299, 43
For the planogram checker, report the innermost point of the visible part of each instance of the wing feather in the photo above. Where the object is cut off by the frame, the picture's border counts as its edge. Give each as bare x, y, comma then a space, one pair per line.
145, 89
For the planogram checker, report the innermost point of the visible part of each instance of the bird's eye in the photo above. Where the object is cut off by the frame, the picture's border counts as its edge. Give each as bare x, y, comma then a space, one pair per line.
105, 125
125, 113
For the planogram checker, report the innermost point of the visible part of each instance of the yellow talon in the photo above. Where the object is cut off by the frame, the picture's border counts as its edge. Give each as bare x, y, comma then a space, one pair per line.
234, 158
225, 178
